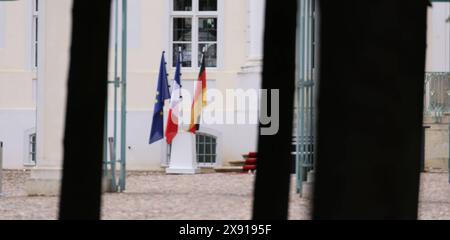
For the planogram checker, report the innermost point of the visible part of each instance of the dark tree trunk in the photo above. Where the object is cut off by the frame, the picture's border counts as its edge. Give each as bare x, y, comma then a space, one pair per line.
87, 89
274, 158
370, 109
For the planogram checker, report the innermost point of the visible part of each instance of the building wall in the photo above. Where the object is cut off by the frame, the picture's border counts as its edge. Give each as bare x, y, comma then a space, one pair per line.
17, 81
148, 36
55, 28
21, 88
438, 47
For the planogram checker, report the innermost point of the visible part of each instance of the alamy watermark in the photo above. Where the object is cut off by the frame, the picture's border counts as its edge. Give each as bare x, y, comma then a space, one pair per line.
234, 107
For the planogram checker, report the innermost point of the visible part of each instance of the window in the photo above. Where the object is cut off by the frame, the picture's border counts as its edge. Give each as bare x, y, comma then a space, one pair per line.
182, 5
35, 33
194, 31
206, 150
208, 5
32, 149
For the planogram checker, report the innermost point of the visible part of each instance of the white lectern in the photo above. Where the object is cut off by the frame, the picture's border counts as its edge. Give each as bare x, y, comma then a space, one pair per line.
183, 158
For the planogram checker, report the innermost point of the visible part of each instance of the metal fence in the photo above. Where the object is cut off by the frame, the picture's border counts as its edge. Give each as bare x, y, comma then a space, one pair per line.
303, 140
437, 95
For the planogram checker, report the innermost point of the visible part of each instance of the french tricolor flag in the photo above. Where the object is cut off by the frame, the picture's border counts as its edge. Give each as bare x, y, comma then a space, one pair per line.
175, 104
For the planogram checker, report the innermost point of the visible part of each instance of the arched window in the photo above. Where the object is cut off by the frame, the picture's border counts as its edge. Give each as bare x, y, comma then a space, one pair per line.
206, 150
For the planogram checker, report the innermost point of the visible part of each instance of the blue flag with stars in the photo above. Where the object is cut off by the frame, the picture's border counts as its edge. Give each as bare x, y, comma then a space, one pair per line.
162, 93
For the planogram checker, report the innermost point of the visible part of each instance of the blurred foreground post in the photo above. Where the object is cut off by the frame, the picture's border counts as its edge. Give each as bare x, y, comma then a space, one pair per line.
86, 101
272, 182
371, 81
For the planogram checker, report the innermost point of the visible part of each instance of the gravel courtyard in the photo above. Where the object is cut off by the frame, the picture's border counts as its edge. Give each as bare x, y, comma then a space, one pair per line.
205, 196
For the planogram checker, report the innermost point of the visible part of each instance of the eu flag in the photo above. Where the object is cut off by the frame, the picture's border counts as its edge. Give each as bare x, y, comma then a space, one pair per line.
162, 93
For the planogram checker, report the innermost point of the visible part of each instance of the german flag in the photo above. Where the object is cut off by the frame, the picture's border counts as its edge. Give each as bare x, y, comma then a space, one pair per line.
199, 101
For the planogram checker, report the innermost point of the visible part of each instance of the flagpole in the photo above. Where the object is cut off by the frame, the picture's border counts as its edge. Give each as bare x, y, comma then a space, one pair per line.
183, 154
165, 67
203, 62
201, 112
180, 111
167, 74
166, 159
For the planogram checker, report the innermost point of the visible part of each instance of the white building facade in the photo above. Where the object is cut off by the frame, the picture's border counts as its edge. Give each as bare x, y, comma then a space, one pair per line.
34, 60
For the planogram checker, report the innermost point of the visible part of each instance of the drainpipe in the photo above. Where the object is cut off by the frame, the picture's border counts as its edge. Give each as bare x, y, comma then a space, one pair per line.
123, 122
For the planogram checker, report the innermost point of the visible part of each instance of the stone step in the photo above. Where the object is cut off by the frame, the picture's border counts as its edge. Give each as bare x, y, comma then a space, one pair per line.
228, 169
207, 170
237, 163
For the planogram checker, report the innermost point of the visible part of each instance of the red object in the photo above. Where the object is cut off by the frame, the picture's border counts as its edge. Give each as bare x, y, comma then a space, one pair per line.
172, 128
250, 161
247, 168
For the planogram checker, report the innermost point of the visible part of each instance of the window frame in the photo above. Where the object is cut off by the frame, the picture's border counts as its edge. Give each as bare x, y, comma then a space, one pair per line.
31, 156
32, 148
35, 6
211, 145
195, 15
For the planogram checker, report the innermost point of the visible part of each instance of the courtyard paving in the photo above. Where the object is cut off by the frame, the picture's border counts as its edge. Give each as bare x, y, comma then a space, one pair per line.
205, 196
